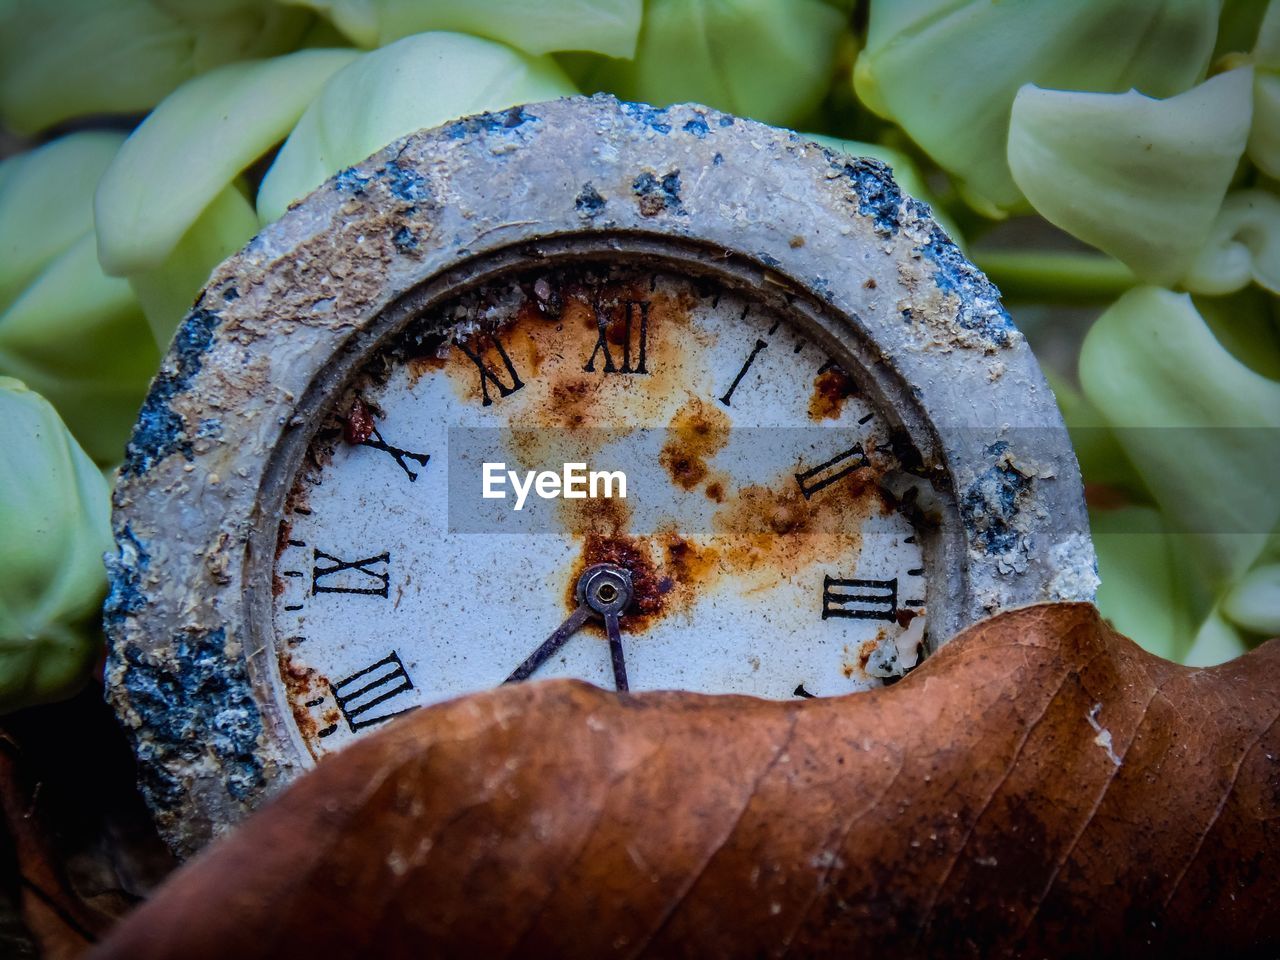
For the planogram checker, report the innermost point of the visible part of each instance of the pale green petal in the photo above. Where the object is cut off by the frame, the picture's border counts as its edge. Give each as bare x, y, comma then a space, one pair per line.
1264, 136
46, 203
194, 144
1140, 592
1217, 641
1139, 178
79, 337
1266, 47
1150, 364
609, 27
60, 59
54, 507
1103, 462
771, 60
168, 291
1254, 602
947, 70
418, 82
1243, 246
1247, 324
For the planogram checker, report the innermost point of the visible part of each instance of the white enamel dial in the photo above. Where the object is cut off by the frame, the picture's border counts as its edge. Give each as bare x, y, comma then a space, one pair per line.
763, 554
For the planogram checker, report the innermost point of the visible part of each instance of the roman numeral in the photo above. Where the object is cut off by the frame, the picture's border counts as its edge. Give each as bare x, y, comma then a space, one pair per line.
490, 374
635, 318
860, 599
825, 474
359, 695
326, 566
400, 455
751, 357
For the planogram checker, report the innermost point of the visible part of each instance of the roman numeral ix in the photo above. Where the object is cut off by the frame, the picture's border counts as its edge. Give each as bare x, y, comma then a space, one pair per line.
366, 579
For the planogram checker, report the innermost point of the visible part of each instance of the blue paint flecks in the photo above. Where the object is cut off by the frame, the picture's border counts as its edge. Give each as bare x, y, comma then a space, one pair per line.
651, 117
658, 194
878, 194
991, 505
589, 203
405, 240
717, 160
405, 182
124, 578
159, 430
351, 180
199, 703
980, 309
697, 126
502, 121
726, 121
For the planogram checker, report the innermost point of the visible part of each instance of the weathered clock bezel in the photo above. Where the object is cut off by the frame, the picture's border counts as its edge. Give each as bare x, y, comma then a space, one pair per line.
283, 326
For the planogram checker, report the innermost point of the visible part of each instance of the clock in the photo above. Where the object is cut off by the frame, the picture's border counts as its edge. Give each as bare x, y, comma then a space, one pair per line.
649, 398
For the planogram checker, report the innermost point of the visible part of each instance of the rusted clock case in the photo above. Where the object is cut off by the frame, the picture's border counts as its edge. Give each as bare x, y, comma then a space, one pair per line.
285, 323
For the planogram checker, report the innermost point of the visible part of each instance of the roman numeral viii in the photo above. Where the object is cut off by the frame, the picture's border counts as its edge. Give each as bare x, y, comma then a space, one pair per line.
489, 373
860, 599
635, 326
368, 576
360, 695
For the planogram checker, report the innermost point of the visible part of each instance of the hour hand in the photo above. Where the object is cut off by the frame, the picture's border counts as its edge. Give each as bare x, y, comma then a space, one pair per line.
604, 591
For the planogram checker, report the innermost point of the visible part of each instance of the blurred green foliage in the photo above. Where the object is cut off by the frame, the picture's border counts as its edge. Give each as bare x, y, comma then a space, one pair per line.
1134, 143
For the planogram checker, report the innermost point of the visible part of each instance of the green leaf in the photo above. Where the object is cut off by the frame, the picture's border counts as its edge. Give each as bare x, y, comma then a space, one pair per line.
46, 204
196, 142
1243, 246
61, 59
1139, 178
1199, 426
421, 81
771, 60
168, 291
1140, 590
609, 27
1254, 602
1264, 138
79, 337
1217, 641
947, 70
54, 507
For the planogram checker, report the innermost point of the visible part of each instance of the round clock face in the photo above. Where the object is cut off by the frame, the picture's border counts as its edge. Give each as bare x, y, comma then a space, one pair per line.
742, 536
655, 399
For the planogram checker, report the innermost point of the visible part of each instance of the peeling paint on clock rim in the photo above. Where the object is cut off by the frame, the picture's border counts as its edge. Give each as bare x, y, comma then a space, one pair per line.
284, 322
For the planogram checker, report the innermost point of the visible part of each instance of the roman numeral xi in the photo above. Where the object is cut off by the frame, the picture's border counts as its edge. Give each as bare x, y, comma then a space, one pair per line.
506, 380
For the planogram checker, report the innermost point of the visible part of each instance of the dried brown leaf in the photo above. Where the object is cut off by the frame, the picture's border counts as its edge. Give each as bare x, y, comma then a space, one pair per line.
1040, 787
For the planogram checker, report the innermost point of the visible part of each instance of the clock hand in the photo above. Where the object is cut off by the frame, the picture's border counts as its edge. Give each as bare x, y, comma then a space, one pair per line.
551, 644
615, 651
603, 590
